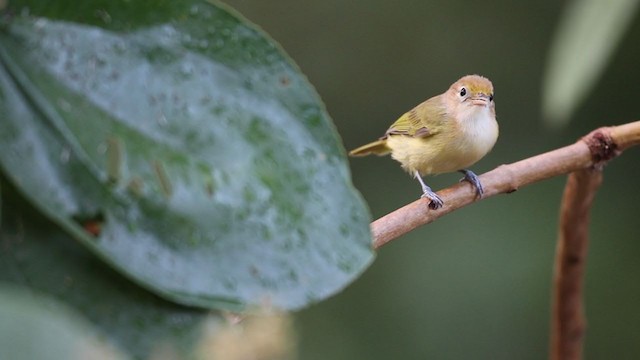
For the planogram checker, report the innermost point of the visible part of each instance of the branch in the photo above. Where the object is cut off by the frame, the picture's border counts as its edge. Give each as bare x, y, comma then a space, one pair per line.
568, 321
593, 150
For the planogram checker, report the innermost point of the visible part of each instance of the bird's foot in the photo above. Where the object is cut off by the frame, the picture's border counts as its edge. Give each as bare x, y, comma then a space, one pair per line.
473, 179
436, 201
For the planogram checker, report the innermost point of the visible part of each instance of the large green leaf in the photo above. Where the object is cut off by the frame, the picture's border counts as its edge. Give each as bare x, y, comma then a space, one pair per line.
204, 156
39, 328
586, 38
36, 254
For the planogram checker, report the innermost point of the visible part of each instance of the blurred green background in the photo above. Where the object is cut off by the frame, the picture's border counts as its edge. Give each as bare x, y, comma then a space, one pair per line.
475, 284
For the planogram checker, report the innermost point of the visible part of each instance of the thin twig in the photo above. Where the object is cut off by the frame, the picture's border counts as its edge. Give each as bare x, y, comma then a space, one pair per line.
568, 322
599, 146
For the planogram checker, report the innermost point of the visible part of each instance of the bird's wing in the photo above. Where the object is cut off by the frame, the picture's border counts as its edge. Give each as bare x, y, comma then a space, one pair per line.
419, 121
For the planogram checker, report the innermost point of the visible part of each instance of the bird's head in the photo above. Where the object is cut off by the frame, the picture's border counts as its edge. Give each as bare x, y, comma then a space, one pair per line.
470, 95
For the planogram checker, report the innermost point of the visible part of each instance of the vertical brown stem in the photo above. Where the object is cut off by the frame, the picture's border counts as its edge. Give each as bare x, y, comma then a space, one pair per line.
568, 320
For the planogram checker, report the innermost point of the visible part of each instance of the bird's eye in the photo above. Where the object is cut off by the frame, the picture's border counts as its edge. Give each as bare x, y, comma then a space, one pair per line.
491, 97
463, 92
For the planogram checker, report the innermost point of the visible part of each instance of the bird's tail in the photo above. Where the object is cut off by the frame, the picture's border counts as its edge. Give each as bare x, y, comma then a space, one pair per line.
377, 147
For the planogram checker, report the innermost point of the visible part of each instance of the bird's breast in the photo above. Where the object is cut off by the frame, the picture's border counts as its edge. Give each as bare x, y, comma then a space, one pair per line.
454, 148
479, 133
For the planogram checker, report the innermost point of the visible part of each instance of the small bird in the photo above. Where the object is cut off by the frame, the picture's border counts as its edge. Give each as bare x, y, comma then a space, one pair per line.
446, 133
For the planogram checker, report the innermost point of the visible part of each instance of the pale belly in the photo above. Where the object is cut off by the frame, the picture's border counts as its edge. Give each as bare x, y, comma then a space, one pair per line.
442, 153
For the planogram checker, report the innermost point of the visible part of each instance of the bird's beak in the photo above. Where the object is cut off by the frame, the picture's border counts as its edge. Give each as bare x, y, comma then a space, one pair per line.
480, 99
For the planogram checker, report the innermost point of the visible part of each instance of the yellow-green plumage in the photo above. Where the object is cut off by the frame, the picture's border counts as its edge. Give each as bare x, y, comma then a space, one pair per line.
377, 148
445, 133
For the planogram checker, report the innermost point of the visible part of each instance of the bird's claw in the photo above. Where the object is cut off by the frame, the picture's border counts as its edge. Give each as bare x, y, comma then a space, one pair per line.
436, 201
473, 179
